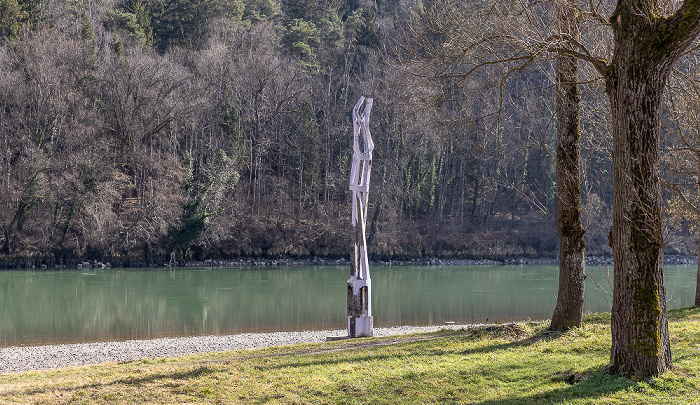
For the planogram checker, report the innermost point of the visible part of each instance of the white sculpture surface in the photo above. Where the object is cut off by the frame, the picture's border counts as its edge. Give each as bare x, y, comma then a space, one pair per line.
359, 285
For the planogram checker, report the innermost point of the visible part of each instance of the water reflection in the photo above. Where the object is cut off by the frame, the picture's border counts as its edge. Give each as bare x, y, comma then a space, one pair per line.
73, 306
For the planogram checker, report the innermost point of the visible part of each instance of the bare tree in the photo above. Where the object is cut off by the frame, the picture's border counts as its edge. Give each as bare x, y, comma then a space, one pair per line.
496, 45
141, 101
45, 124
568, 311
647, 44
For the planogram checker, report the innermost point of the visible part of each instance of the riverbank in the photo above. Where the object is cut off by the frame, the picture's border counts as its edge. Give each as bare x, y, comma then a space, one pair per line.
25, 358
320, 261
510, 363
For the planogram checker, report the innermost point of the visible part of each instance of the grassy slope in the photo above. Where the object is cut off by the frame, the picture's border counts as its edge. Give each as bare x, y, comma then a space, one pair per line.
521, 363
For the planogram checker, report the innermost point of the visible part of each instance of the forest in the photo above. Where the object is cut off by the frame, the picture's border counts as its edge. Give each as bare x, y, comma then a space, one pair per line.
142, 131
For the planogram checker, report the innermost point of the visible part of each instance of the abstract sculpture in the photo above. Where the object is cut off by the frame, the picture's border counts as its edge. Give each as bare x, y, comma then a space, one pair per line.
359, 283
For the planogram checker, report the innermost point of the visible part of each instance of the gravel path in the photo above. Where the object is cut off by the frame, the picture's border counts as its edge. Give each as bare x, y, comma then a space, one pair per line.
15, 359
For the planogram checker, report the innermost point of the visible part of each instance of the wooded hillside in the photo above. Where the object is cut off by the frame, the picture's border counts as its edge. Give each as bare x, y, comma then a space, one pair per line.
136, 130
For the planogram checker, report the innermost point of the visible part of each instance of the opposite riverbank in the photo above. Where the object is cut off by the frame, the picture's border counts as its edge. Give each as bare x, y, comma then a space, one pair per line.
510, 363
319, 261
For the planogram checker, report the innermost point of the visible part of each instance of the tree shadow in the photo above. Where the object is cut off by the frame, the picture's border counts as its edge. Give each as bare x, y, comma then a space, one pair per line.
131, 380
326, 362
512, 332
506, 331
590, 384
509, 331
604, 318
683, 313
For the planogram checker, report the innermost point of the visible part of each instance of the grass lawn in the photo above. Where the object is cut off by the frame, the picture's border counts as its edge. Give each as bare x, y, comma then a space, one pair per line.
500, 364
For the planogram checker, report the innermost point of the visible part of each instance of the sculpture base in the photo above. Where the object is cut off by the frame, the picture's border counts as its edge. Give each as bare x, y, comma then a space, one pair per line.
360, 326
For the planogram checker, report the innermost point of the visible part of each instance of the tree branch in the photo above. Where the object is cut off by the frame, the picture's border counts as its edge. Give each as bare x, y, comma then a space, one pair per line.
600, 65
682, 196
678, 31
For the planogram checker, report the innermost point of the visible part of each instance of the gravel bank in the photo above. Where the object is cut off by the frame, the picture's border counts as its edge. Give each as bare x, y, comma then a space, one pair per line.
15, 359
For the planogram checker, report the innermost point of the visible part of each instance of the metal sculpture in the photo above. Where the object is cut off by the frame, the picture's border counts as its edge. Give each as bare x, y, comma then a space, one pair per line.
359, 284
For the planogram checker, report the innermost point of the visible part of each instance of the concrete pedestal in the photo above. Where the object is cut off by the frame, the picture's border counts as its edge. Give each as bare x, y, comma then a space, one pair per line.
361, 326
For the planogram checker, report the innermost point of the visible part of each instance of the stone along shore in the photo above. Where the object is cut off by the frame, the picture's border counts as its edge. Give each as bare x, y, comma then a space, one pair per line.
25, 358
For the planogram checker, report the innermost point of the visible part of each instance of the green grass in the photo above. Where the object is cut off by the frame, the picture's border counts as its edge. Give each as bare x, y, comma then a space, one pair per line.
503, 364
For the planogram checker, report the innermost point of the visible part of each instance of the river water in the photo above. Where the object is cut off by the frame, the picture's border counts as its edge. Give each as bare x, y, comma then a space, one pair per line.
42, 307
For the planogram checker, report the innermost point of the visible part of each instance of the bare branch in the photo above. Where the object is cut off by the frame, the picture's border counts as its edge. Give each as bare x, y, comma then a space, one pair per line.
679, 193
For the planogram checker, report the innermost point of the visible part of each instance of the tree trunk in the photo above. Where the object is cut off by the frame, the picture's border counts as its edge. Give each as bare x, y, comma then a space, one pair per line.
646, 47
568, 311
6, 245
635, 84
697, 276
697, 280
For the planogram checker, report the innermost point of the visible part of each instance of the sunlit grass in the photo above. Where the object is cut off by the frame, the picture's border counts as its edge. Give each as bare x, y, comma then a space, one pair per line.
503, 364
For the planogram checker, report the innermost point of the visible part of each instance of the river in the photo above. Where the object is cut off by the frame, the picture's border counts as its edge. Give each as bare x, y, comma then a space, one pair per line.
46, 307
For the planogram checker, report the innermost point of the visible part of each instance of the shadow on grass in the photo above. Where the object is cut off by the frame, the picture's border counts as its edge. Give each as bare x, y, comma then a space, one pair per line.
327, 362
508, 332
673, 314
514, 333
592, 384
130, 380
685, 312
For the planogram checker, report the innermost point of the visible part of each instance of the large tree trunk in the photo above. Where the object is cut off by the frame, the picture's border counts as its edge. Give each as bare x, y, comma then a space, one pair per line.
635, 85
568, 311
646, 46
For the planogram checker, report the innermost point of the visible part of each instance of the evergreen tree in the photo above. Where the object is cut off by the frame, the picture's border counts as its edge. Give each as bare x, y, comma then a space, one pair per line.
11, 17
14, 14
312, 29
134, 18
256, 11
182, 22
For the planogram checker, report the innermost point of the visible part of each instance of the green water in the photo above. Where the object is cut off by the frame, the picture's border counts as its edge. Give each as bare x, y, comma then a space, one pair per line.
76, 306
